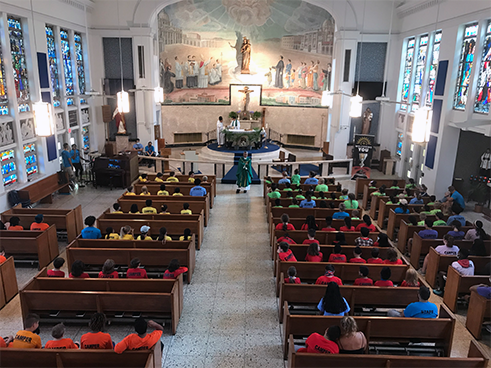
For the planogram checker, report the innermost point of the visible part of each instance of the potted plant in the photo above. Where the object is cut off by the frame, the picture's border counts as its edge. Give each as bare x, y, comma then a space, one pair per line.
233, 115
480, 194
256, 115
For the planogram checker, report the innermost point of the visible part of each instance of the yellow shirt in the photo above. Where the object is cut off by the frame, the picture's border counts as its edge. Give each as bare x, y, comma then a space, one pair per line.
114, 236
145, 194
168, 238
181, 238
159, 180
141, 179
191, 180
118, 212
129, 193
149, 210
26, 340
186, 212
177, 194
165, 213
127, 237
162, 192
146, 238
134, 212
173, 179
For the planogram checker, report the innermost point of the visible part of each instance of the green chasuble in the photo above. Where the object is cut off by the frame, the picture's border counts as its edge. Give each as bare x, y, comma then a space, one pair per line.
244, 172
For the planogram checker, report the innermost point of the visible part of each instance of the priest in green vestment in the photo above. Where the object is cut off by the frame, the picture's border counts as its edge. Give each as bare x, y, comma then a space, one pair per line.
244, 173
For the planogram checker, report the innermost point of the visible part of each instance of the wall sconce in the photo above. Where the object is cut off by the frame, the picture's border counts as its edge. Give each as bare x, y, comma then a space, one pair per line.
355, 107
123, 102
43, 119
422, 125
159, 95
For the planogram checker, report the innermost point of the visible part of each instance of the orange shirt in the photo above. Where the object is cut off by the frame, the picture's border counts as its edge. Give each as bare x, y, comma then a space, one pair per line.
26, 340
39, 227
2, 343
2, 259
135, 342
61, 344
18, 227
96, 340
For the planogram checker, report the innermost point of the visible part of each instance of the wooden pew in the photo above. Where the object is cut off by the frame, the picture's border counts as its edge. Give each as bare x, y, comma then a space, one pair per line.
42, 190
438, 262
174, 202
421, 247
481, 309
69, 220
360, 184
368, 197
153, 256
309, 272
32, 245
384, 209
174, 227
184, 187
77, 358
356, 296
377, 329
8, 281
321, 223
284, 194
301, 212
374, 205
395, 220
476, 358
457, 285
184, 179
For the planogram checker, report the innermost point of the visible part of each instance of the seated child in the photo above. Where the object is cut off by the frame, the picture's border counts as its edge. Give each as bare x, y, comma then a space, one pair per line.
328, 277
336, 256
328, 225
357, 256
126, 233
347, 225
363, 280
277, 203
148, 207
292, 276
130, 191
135, 271
163, 210
326, 344
163, 235
177, 192
364, 240
172, 177
145, 191
311, 237
15, 224
185, 209
117, 208
144, 230
411, 279
186, 236
108, 271
375, 258
27, 338
56, 271
294, 203
159, 177
285, 253
59, 341
355, 214
143, 178
162, 191
38, 224
392, 257
96, 339
174, 270
141, 340
77, 271
191, 177
110, 234
313, 253
286, 238
385, 278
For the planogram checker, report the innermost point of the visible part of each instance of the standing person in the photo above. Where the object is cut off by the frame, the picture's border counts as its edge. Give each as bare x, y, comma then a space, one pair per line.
75, 157
28, 338
141, 340
279, 68
220, 134
244, 173
179, 77
67, 164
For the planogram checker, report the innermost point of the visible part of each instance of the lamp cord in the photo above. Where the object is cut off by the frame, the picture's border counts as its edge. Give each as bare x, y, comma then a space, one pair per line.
361, 47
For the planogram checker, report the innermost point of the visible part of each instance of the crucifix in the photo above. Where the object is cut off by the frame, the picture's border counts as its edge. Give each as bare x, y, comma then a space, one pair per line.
247, 98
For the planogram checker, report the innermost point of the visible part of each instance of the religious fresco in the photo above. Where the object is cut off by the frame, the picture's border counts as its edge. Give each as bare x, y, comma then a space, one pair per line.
206, 46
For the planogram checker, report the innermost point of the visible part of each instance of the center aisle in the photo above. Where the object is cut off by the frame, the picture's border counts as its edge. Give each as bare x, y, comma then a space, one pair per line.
230, 314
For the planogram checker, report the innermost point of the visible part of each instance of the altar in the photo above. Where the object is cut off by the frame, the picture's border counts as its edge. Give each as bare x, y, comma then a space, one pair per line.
238, 139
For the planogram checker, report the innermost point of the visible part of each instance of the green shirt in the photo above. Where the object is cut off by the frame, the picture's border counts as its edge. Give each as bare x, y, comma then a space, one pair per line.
274, 194
421, 223
300, 197
355, 218
439, 223
431, 204
345, 197
294, 206
322, 188
351, 205
277, 206
410, 186
288, 190
268, 182
296, 179
395, 187
377, 193
434, 212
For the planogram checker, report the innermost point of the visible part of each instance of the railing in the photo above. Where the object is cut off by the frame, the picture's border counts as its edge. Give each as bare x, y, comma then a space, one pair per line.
275, 136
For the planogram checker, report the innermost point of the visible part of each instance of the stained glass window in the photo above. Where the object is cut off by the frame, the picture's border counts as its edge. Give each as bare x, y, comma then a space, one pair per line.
465, 67
80, 62
18, 51
9, 170
420, 69
67, 62
4, 100
435, 57
86, 139
53, 65
483, 95
408, 65
31, 159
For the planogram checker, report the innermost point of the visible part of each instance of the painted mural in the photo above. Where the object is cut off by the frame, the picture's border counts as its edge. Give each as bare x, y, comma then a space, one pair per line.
207, 45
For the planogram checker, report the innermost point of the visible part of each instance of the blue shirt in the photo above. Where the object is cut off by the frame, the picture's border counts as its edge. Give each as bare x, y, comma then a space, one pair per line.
138, 146
284, 181
458, 218
307, 204
428, 234
75, 156
312, 181
319, 307
91, 233
149, 149
457, 235
399, 210
197, 191
421, 310
416, 201
65, 156
457, 197
340, 215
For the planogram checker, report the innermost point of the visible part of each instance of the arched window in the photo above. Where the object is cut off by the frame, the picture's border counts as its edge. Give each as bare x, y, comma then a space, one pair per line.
465, 67
483, 94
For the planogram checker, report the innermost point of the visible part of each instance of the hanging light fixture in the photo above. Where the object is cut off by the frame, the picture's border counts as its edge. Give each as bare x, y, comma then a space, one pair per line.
356, 106
43, 119
356, 101
123, 97
422, 125
159, 95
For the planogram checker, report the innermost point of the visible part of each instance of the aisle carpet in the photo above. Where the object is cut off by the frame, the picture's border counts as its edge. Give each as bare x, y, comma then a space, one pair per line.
231, 178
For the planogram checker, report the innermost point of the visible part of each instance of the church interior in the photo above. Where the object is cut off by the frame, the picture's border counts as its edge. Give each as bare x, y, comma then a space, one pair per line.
315, 179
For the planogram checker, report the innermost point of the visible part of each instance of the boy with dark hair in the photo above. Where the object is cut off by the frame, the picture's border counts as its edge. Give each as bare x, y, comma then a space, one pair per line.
162, 191
357, 256
285, 253
420, 309
336, 256
375, 258
384, 278
177, 192
148, 207
456, 216
364, 240
159, 177
328, 277
59, 341
143, 178
56, 271
91, 232
191, 177
440, 219
311, 237
185, 209
172, 177
135, 271
28, 338
96, 339
141, 340
328, 224
428, 232
38, 224
363, 280
197, 190
117, 208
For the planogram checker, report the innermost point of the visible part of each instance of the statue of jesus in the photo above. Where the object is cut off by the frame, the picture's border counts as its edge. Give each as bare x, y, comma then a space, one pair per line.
247, 98
246, 56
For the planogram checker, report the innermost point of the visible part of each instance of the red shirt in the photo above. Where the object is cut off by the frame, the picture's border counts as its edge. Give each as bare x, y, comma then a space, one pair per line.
18, 227
328, 229
2, 343
310, 241
317, 343
405, 284
357, 260
306, 227
287, 256
375, 261
288, 227
398, 262
61, 344
173, 275
384, 283
345, 228
53, 273
324, 280
82, 276
136, 273
2, 259
112, 275
337, 258
371, 227
318, 258
295, 281
287, 240
363, 281
96, 340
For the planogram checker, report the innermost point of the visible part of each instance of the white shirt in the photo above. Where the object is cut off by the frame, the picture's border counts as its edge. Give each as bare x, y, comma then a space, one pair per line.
446, 251
469, 271
237, 122
219, 126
